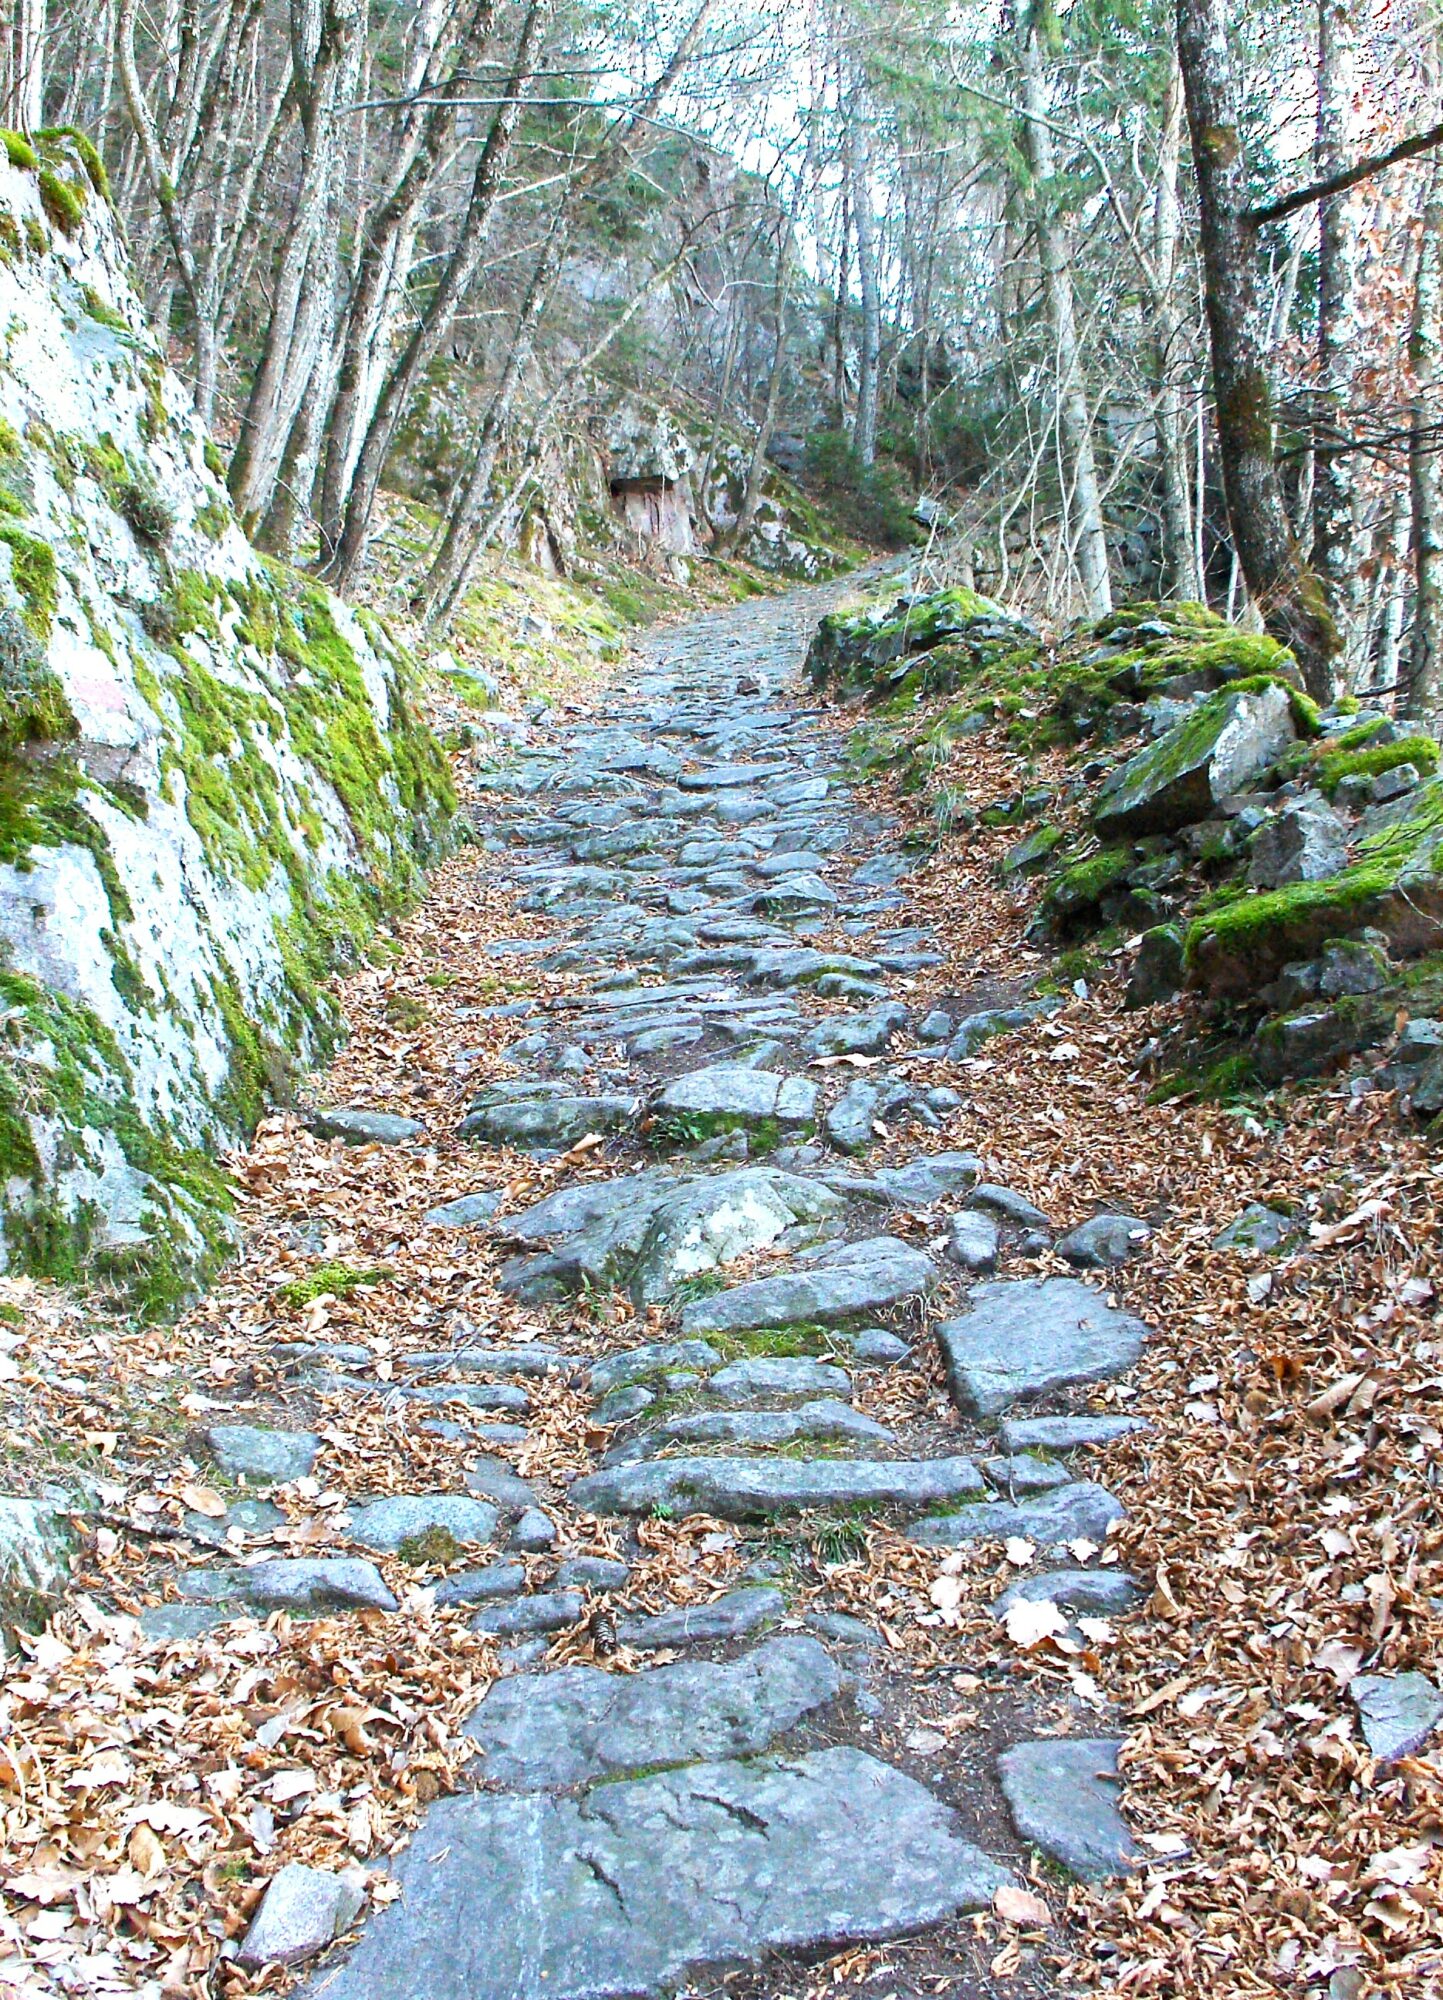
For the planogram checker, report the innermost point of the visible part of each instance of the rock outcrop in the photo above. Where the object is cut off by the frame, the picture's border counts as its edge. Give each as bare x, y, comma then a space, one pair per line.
212, 776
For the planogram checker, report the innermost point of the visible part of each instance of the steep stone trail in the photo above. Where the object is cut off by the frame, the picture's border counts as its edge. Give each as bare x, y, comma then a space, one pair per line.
735, 1359
742, 1044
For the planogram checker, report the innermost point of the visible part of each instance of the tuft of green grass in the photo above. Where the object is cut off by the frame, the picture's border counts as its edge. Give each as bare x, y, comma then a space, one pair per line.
333, 1280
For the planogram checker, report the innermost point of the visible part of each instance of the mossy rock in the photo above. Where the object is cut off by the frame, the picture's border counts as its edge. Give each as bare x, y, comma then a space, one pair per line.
1372, 760
1225, 743
1395, 885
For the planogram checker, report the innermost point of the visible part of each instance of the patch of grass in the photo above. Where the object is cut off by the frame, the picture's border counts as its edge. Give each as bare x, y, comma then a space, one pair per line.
329, 1280
19, 151
406, 1012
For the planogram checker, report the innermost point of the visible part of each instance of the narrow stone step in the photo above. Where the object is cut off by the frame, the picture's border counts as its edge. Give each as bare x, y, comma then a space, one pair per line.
847, 1283
1030, 1337
1062, 1794
1080, 1509
740, 1489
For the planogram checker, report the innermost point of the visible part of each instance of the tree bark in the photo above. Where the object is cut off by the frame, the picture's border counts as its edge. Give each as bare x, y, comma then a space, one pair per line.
859, 166
1055, 255
1178, 541
341, 562
1287, 593
1336, 548
1424, 695
756, 470
22, 74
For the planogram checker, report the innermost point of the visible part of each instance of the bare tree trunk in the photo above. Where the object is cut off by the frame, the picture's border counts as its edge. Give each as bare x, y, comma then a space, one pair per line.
342, 561
1392, 588
756, 471
1289, 596
323, 34
1178, 541
1055, 254
1424, 697
22, 73
859, 174
1335, 552
729, 359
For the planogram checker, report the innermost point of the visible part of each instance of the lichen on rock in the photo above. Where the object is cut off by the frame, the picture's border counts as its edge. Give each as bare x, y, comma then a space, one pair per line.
213, 777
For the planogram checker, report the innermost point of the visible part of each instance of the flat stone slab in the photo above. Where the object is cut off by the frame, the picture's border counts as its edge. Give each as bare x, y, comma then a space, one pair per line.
1065, 1433
723, 777
276, 1456
651, 1231
1081, 1508
295, 1583
1025, 1339
1103, 1241
1084, 1590
731, 1616
758, 1430
654, 1358
849, 1281
732, 1097
507, 1396
520, 1617
545, 1118
366, 1128
742, 1489
385, 1524
468, 1211
972, 1240
481, 1586
1399, 1712
1062, 1795
771, 1377
1007, 1205
302, 1911
629, 1889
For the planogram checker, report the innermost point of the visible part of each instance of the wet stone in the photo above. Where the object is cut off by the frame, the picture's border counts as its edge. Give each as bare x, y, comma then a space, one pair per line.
276, 1456
1018, 1341
1062, 1794
571, 1727
635, 1885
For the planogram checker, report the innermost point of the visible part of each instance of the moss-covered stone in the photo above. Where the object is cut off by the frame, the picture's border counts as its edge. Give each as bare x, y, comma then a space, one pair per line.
1216, 750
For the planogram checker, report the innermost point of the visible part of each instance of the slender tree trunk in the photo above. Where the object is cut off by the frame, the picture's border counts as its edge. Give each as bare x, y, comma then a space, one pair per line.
1178, 541
859, 164
22, 73
756, 471
1393, 581
1286, 591
1335, 552
1424, 697
342, 562
1055, 254
729, 359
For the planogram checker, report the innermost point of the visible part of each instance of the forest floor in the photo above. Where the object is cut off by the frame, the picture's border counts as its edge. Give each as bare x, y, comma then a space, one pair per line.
535, 1786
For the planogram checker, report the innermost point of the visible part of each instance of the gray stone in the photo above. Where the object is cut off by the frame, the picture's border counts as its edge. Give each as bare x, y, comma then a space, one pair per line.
1065, 1433
262, 1454
1021, 1340
1103, 1241
295, 1583
1062, 1794
592, 1573
929, 1179
1256, 1228
877, 1347
731, 1616
936, 1026
1060, 1516
623, 1403
533, 1534
1202, 759
385, 1524
35, 1542
847, 1283
857, 1034
506, 1396
571, 1727
366, 1128
303, 1910
530, 1360
468, 1211
1393, 784
1008, 1205
768, 1378
1305, 842
171, 1624
545, 1121
645, 1363
479, 1586
715, 777
742, 1489
1157, 971
846, 1631
1399, 1712
1077, 1590
733, 1096
548, 1611
1019, 1473
245, 1517
757, 1430
975, 1029
631, 1888
972, 1240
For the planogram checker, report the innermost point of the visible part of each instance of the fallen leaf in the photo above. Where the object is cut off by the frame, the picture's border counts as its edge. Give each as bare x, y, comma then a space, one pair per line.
1020, 1906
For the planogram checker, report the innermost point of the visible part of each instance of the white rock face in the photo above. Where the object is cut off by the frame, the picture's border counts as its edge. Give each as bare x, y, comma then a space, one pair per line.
211, 778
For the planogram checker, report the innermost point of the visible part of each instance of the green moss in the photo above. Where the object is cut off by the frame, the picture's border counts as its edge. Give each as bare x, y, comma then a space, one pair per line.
328, 1280
1335, 765
98, 309
60, 138
34, 575
63, 202
131, 492
214, 459
1083, 884
19, 151
213, 519
35, 236
434, 1547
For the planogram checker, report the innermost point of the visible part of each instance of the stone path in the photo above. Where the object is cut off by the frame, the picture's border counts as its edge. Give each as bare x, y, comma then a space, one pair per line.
781, 1190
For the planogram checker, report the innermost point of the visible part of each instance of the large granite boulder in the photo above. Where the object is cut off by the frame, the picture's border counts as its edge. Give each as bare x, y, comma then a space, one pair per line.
1201, 760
